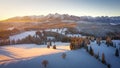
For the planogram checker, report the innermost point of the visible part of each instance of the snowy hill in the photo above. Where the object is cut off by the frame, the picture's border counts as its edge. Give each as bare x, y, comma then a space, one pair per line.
31, 55
109, 53
22, 35
32, 33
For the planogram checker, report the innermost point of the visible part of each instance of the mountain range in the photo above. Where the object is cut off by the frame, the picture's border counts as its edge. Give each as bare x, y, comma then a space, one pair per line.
64, 17
99, 26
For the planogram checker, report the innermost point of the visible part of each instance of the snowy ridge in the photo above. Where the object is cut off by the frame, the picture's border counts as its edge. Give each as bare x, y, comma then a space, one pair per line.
65, 17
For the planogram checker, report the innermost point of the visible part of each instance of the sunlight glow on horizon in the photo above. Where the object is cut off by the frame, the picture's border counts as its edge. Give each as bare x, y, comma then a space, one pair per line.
13, 8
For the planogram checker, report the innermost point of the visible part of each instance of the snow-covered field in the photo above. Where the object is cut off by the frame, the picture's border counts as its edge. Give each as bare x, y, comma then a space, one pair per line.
31, 56
32, 33
22, 35
74, 35
61, 31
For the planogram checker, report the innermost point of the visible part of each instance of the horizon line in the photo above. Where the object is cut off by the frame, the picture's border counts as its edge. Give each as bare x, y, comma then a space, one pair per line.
60, 14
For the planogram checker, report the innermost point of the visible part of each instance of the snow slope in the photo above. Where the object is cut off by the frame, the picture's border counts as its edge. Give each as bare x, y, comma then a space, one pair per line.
74, 35
60, 31
22, 35
109, 53
31, 56
32, 33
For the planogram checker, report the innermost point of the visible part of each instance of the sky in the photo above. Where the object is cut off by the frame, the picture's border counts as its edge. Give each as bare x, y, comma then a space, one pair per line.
12, 8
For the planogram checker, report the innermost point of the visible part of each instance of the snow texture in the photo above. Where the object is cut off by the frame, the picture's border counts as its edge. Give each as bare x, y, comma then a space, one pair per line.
109, 53
22, 35
31, 56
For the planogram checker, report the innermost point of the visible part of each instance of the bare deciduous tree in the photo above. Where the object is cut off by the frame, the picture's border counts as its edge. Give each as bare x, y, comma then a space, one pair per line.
45, 63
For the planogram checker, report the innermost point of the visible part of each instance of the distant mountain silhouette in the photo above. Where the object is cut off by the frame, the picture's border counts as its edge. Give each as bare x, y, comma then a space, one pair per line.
64, 17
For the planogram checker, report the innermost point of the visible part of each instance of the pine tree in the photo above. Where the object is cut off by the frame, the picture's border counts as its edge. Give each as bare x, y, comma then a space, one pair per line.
103, 58
116, 53
108, 65
109, 41
50, 43
71, 47
98, 41
97, 55
91, 51
87, 48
